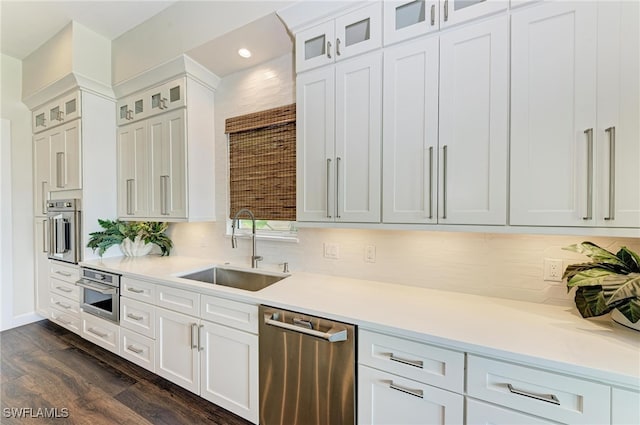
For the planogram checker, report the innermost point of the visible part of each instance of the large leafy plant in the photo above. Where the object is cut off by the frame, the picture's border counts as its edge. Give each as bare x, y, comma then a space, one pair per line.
610, 281
116, 231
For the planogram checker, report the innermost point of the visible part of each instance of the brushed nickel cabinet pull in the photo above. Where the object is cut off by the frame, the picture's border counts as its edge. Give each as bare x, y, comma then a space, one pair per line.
415, 363
194, 342
44, 236
66, 274
611, 131
328, 184
135, 291
446, 10
98, 333
134, 349
44, 197
134, 317
589, 133
433, 14
338, 47
549, 398
429, 196
63, 289
329, 49
415, 393
63, 305
200, 346
60, 169
130, 196
164, 195
338, 187
444, 181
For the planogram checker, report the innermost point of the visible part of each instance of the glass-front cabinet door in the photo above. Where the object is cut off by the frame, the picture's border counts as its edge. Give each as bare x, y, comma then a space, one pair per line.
408, 19
456, 11
315, 46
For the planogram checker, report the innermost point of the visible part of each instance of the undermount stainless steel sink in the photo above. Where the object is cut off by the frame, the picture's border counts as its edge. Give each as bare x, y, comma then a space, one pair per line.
239, 279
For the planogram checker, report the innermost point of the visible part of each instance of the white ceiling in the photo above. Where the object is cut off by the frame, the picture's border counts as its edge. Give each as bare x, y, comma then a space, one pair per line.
26, 25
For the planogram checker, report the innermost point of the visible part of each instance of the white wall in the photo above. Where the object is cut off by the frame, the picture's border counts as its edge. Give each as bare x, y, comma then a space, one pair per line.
162, 37
18, 205
508, 266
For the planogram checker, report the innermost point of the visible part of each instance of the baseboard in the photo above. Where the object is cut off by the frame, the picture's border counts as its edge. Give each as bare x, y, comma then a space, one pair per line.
23, 319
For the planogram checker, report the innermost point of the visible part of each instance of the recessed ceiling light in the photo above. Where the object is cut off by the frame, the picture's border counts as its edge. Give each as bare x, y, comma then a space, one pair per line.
245, 53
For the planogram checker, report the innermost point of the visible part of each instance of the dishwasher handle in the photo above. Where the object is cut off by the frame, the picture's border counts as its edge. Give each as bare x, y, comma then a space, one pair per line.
333, 335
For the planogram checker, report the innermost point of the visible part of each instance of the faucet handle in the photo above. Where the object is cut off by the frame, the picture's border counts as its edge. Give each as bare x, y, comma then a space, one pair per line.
285, 267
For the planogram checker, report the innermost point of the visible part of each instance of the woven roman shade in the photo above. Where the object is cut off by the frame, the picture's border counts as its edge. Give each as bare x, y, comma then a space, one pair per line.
262, 163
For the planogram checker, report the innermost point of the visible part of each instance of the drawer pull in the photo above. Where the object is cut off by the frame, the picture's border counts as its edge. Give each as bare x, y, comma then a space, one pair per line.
95, 332
63, 289
61, 320
134, 317
134, 349
135, 291
415, 393
66, 274
414, 363
63, 305
549, 398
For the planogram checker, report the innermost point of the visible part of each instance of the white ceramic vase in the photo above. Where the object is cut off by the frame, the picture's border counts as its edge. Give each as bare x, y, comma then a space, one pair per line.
135, 248
618, 317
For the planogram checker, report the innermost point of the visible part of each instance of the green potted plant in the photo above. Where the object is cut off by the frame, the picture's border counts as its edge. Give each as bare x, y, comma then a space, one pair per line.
135, 238
609, 283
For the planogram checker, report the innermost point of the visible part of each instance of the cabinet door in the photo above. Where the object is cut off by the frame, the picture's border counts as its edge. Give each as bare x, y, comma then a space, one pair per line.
358, 139
39, 120
315, 47
407, 19
177, 356
315, 110
384, 398
624, 406
71, 106
166, 96
553, 112
229, 364
359, 31
41, 233
456, 11
132, 170
479, 413
41, 173
66, 157
168, 159
618, 129
410, 142
473, 124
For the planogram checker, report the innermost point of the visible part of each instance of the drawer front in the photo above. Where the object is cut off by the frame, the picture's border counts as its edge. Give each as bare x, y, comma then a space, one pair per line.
67, 273
138, 317
138, 290
384, 398
101, 332
65, 289
479, 413
421, 362
516, 386
64, 304
179, 300
230, 313
69, 321
137, 349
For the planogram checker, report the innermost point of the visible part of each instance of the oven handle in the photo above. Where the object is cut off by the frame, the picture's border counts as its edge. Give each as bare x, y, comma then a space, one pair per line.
334, 334
103, 289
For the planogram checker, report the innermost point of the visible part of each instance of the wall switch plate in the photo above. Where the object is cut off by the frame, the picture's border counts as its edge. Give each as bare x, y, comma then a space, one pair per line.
552, 270
331, 250
370, 254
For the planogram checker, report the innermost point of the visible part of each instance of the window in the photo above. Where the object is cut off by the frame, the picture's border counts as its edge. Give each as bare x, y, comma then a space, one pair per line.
262, 168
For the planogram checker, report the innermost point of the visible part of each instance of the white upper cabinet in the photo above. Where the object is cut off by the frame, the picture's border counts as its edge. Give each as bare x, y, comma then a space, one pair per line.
65, 166
339, 109
473, 124
132, 170
408, 19
159, 99
344, 37
574, 115
59, 111
410, 132
41, 173
455, 11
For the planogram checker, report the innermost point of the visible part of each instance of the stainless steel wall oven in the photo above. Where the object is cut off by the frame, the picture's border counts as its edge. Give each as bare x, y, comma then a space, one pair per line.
64, 218
100, 294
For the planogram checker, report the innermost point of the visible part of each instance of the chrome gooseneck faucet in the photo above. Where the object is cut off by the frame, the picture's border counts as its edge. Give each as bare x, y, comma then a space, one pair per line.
234, 242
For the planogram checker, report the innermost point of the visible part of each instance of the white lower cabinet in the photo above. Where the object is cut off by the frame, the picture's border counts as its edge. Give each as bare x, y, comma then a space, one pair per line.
625, 407
479, 413
101, 332
137, 349
384, 398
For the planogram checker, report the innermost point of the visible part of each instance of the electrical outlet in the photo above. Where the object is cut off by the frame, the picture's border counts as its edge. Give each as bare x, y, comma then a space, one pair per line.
370, 254
331, 250
552, 270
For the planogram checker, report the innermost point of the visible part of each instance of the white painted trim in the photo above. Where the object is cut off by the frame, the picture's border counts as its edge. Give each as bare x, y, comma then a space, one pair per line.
24, 319
303, 14
6, 233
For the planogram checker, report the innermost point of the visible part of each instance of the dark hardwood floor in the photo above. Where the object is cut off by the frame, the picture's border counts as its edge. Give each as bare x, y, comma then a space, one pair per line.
47, 371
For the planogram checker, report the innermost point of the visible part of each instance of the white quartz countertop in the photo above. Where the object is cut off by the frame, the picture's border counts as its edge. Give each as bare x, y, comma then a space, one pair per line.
551, 337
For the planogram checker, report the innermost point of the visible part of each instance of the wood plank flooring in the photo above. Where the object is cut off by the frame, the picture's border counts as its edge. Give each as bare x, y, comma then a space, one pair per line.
44, 366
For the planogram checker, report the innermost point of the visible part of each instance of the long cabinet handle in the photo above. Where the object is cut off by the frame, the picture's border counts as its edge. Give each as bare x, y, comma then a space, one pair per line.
549, 398
43, 191
98, 333
164, 195
410, 391
134, 349
60, 169
328, 184
428, 172
329, 49
194, 339
44, 236
200, 346
338, 159
446, 10
333, 335
589, 133
444, 181
611, 131
433, 14
134, 317
415, 363
129, 196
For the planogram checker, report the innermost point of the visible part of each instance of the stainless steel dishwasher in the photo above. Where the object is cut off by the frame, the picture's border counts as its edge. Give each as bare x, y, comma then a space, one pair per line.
307, 369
